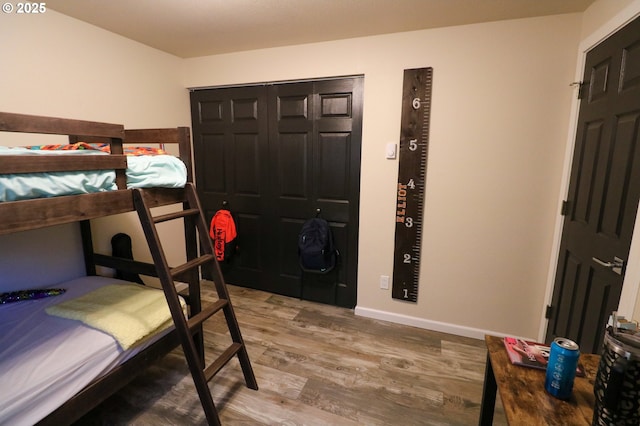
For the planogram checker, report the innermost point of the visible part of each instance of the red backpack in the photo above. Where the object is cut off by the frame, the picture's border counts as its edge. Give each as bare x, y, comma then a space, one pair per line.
223, 233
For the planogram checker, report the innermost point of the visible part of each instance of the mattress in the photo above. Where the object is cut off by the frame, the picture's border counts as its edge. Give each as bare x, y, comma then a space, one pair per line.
45, 360
143, 171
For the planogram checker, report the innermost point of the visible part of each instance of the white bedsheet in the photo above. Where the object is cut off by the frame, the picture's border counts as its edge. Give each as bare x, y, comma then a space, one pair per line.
45, 360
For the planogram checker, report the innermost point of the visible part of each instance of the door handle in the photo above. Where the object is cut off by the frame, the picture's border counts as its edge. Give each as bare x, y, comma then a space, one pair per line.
616, 266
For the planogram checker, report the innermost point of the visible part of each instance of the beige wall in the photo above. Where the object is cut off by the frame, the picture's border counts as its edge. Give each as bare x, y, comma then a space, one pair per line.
601, 12
500, 119
54, 65
501, 100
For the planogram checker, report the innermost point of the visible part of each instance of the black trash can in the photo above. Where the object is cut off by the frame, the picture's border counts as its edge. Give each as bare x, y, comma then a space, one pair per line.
617, 384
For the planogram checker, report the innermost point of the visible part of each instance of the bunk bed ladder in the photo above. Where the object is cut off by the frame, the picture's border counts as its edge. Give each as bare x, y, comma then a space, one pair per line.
187, 328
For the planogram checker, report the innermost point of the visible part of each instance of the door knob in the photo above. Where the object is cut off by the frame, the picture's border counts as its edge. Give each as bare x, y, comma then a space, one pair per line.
616, 266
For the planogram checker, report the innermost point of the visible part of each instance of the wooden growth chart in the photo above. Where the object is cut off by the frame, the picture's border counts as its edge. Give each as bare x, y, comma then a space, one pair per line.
412, 171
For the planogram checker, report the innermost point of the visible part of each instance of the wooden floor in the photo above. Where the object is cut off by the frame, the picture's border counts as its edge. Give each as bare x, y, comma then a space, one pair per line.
315, 365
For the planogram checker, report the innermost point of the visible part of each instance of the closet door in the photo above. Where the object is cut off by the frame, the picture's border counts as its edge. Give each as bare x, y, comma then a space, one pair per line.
231, 169
308, 158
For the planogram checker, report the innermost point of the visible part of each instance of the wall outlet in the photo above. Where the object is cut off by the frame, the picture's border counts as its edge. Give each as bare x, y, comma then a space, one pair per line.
384, 282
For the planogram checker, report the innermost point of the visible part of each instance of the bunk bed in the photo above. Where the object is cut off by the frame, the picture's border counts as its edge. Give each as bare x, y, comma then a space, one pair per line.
115, 369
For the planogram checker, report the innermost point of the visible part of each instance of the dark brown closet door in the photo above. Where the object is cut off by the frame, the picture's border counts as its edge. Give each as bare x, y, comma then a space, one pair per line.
301, 153
230, 157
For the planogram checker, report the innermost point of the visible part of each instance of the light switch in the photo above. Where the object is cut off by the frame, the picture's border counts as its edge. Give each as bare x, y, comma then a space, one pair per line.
391, 151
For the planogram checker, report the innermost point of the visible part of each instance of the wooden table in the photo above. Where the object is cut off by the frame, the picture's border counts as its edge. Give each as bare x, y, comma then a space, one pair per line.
525, 400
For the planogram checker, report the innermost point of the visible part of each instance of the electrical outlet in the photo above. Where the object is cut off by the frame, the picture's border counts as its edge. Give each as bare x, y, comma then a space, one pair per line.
384, 282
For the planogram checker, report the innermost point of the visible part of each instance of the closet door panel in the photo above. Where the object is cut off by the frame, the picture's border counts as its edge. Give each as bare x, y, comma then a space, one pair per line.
333, 166
291, 166
230, 157
213, 175
249, 259
288, 229
247, 165
291, 153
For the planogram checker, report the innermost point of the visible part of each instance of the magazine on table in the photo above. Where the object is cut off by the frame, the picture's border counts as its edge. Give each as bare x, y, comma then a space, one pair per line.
531, 354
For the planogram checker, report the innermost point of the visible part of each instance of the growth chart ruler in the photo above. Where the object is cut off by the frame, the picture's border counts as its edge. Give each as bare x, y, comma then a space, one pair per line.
412, 171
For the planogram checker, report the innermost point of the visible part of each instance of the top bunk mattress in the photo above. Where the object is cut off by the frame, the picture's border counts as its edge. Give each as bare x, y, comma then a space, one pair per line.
45, 359
143, 171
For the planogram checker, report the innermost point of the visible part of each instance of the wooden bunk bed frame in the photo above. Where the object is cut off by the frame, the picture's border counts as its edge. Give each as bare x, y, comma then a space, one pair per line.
43, 212
16, 216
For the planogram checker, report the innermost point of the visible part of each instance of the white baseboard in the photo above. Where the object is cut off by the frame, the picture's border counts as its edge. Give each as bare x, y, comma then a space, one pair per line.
442, 327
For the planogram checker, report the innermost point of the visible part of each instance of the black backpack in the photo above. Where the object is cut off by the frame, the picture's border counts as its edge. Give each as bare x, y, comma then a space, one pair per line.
316, 252
121, 247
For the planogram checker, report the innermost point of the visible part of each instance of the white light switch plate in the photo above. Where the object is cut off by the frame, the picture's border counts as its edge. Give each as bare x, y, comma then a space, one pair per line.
391, 151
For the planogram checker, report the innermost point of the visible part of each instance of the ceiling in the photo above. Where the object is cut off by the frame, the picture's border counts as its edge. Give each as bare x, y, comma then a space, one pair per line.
191, 28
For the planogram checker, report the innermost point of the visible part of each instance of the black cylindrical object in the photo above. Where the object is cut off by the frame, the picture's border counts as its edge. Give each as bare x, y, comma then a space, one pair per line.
617, 384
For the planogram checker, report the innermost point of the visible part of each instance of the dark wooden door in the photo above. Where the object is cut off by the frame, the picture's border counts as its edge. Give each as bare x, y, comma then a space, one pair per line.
277, 154
230, 147
604, 191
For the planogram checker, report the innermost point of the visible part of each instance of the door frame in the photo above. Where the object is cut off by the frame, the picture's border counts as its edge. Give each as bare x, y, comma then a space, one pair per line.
631, 283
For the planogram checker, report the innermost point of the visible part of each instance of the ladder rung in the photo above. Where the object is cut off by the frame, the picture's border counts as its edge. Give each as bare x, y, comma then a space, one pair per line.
175, 215
201, 316
193, 263
222, 360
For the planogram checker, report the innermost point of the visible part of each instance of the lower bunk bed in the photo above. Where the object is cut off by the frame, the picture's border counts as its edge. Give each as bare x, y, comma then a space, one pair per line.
47, 358
55, 366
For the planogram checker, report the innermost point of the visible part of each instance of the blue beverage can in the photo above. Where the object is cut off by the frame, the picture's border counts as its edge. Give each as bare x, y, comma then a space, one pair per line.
561, 370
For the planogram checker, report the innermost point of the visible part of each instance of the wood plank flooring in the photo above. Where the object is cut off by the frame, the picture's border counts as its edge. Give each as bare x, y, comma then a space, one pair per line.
315, 365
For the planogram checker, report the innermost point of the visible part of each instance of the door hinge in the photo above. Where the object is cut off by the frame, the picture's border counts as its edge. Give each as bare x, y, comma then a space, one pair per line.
548, 312
564, 210
581, 90
581, 85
